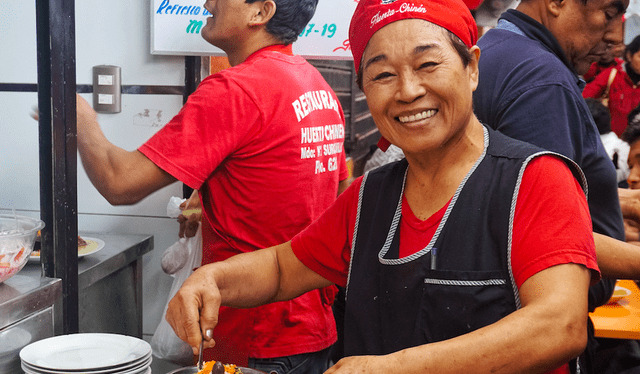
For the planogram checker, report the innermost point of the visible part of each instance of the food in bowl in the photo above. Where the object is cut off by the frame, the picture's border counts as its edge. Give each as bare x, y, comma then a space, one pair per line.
17, 237
216, 367
619, 293
36, 249
11, 263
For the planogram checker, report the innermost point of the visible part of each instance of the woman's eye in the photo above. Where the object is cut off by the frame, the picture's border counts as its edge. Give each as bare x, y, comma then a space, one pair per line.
428, 65
382, 76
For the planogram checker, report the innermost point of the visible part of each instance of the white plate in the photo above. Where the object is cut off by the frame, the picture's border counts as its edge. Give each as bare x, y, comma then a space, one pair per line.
136, 367
88, 351
93, 246
29, 370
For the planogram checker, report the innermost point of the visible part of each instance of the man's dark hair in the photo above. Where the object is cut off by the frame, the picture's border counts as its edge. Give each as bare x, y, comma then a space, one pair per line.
632, 47
456, 43
600, 114
290, 19
632, 132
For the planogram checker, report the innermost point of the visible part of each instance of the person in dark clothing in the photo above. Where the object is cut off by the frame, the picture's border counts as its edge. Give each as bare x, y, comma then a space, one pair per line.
530, 89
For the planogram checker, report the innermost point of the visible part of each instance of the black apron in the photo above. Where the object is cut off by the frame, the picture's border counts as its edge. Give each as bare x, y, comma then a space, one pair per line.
461, 281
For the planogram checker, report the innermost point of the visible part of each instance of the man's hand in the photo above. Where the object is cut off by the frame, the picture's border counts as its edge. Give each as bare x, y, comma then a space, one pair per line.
189, 225
192, 214
630, 203
631, 231
198, 300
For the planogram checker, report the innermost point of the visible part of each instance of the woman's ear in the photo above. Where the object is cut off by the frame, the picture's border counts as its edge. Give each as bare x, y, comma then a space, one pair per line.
264, 11
474, 71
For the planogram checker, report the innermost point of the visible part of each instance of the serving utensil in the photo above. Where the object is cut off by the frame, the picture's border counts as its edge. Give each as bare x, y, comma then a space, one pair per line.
200, 362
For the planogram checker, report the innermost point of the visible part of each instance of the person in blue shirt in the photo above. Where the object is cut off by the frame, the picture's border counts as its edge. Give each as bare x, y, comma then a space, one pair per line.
530, 89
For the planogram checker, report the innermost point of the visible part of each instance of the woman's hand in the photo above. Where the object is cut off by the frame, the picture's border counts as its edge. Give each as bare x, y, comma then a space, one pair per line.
197, 299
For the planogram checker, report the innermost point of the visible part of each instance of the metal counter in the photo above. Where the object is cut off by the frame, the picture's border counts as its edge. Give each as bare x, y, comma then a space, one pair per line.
26, 315
110, 296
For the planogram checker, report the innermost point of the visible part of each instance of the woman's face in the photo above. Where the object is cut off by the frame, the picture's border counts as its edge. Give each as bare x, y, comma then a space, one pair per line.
634, 60
418, 91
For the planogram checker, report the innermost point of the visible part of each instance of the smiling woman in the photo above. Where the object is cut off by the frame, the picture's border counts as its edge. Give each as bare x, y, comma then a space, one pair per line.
472, 238
419, 91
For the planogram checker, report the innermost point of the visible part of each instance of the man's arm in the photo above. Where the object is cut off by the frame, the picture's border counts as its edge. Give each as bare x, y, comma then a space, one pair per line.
122, 177
242, 281
344, 184
617, 259
548, 331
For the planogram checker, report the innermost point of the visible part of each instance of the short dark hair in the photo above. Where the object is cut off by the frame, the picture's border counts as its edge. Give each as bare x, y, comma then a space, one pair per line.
600, 114
290, 19
456, 43
632, 131
632, 47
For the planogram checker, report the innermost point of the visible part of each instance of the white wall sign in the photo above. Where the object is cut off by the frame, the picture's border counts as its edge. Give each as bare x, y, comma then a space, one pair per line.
176, 24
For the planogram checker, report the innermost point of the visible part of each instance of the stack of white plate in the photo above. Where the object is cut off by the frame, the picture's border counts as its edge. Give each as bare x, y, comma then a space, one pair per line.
93, 353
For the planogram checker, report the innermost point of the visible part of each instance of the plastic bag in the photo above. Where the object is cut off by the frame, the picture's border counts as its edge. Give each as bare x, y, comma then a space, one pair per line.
175, 257
165, 343
173, 208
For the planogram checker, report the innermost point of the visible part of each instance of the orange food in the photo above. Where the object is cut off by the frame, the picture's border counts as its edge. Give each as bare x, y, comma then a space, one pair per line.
228, 369
206, 368
19, 255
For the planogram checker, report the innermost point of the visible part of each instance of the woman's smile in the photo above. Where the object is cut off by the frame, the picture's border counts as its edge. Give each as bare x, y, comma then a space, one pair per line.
417, 117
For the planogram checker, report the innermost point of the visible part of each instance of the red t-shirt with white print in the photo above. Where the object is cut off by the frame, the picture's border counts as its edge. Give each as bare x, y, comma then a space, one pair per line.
263, 143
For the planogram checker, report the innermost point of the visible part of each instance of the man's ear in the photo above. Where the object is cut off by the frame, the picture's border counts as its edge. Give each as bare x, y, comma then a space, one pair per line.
555, 6
264, 11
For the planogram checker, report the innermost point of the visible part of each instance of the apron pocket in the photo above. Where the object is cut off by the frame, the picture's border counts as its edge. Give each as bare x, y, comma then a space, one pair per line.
457, 302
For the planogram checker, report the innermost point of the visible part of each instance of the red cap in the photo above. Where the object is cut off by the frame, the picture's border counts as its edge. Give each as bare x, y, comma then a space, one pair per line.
371, 15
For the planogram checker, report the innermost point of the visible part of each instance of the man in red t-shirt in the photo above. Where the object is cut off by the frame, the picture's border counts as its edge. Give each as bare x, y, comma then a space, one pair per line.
262, 142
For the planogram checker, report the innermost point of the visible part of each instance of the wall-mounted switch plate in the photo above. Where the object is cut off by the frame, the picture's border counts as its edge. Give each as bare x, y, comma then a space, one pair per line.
107, 89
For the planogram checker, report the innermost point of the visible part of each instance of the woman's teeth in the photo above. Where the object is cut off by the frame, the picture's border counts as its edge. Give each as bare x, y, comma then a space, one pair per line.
418, 117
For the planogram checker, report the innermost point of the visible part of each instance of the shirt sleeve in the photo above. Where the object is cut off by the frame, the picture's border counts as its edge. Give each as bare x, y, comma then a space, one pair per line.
325, 245
216, 120
520, 118
551, 225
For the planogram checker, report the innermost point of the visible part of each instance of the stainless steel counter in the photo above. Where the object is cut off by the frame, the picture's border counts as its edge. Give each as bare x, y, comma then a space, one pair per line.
26, 315
110, 295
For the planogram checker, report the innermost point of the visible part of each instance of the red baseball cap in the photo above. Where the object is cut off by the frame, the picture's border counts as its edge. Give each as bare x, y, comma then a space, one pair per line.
372, 15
